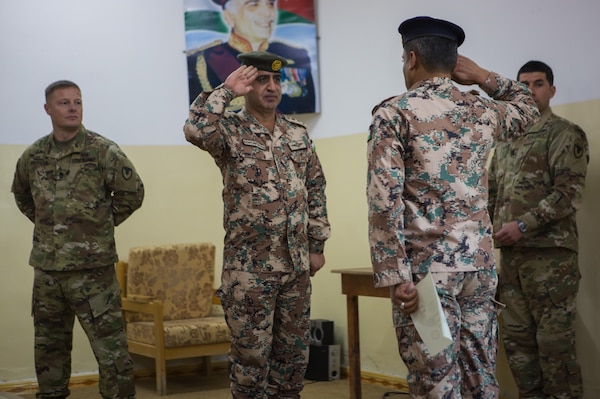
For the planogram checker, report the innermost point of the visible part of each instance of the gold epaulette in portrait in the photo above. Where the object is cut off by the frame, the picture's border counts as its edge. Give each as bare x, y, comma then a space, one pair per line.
202, 48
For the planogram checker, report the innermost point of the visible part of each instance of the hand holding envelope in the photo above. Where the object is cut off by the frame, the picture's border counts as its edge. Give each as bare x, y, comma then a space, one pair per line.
429, 319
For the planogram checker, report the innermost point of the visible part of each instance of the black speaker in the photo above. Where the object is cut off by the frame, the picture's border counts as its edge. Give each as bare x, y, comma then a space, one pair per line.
323, 363
321, 332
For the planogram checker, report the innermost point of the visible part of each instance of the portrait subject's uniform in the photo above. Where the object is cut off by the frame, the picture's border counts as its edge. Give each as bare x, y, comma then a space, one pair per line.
209, 66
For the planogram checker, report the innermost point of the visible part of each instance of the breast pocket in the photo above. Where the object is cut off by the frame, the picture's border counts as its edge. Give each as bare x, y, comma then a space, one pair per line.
299, 162
87, 185
255, 174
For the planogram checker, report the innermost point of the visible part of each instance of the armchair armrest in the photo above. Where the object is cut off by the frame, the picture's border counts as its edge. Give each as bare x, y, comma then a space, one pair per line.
150, 306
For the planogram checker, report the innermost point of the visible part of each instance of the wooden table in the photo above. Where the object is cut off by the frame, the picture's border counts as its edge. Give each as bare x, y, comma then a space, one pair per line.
357, 282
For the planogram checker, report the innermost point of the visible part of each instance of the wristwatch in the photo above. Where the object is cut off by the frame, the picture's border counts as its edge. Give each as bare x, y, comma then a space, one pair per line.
522, 226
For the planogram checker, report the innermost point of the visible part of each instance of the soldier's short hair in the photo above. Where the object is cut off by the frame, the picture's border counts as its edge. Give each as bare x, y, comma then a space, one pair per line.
59, 84
537, 66
437, 54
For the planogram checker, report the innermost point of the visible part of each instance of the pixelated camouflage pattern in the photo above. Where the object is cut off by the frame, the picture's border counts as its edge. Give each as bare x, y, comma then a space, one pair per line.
269, 318
466, 369
539, 287
94, 297
539, 178
427, 185
75, 197
274, 216
274, 187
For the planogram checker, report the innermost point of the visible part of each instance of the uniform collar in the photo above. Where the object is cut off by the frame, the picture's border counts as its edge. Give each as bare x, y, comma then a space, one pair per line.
75, 146
540, 123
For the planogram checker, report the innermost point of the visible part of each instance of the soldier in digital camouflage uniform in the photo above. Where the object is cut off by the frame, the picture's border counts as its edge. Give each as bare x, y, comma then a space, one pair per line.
536, 187
276, 225
76, 186
427, 200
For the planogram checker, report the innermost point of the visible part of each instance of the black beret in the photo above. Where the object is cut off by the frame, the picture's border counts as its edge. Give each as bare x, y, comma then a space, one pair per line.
426, 26
220, 2
263, 60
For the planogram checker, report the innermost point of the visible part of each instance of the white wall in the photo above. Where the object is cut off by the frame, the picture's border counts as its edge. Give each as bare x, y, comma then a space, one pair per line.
127, 56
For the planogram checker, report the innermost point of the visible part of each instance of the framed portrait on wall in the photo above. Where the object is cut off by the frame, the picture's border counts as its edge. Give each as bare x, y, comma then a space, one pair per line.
216, 31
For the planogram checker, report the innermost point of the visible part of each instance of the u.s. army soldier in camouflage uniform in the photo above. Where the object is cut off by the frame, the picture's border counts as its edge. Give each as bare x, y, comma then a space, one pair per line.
276, 225
76, 186
536, 187
427, 198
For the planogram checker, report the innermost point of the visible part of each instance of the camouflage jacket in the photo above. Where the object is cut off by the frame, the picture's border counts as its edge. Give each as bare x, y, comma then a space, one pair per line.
75, 197
539, 178
427, 185
273, 185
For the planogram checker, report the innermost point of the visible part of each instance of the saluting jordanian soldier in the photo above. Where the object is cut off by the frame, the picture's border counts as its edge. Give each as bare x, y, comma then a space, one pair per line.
275, 225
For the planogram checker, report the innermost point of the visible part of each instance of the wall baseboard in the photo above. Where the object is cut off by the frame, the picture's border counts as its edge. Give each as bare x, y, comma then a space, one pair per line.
30, 386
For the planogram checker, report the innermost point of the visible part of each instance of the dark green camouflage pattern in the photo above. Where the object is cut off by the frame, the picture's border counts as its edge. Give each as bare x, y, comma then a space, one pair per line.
539, 178
75, 197
539, 287
94, 297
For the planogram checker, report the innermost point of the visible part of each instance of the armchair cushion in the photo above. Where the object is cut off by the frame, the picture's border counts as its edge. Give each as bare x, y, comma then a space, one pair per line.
207, 330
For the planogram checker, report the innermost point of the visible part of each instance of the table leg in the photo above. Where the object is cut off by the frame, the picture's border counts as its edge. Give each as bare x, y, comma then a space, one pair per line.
353, 347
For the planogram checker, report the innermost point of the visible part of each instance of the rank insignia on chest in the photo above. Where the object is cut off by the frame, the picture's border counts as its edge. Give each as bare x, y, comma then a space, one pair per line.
254, 143
297, 145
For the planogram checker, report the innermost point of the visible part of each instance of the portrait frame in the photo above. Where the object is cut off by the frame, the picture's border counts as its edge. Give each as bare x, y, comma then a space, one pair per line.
211, 47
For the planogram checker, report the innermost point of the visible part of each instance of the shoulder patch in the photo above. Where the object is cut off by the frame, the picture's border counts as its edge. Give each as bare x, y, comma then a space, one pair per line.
578, 150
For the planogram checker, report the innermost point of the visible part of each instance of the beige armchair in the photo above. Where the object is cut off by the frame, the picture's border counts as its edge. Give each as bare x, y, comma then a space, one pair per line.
168, 294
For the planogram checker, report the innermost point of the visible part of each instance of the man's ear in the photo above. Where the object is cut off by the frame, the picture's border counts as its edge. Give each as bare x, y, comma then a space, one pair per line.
413, 60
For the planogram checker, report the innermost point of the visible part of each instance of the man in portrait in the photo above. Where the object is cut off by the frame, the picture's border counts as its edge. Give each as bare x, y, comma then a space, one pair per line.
251, 25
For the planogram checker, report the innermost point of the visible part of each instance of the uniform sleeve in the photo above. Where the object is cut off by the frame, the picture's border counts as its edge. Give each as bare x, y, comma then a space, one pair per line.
319, 229
568, 159
203, 127
124, 183
385, 186
22, 189
516, 111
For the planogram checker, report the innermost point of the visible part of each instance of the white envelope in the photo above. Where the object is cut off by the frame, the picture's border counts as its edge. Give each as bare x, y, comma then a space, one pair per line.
429, 319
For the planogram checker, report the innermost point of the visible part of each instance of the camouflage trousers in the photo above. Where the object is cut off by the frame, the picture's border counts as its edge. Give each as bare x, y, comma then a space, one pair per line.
268, 315
93, 296
539, 287
467, 368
